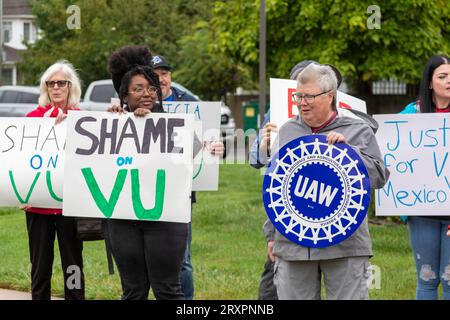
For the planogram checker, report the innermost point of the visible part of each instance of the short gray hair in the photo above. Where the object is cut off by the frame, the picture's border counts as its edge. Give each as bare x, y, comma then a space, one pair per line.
68, 70
322, 75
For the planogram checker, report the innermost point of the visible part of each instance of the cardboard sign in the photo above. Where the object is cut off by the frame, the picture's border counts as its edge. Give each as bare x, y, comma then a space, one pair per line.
207, 116
123, 167
416, 149
32, 162
316, 194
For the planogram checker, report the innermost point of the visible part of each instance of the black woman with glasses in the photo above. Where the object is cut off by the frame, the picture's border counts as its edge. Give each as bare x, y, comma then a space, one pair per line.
148, 254
60, 91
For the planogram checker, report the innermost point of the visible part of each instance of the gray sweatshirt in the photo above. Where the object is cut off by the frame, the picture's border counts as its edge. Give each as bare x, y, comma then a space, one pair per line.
359, 132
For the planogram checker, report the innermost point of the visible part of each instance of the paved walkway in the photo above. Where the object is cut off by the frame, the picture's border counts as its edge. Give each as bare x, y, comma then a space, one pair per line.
6, 294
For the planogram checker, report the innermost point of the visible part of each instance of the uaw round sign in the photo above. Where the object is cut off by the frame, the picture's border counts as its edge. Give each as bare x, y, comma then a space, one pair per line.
316, 194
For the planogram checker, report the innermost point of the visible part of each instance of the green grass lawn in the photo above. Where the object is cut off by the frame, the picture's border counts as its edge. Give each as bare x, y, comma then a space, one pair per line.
228, 248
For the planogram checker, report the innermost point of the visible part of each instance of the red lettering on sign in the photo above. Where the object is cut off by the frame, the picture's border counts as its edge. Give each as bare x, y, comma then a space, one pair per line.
291, 103
344, 105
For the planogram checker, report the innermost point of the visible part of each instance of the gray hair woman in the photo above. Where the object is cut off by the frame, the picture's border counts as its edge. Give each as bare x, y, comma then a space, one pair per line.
60, 92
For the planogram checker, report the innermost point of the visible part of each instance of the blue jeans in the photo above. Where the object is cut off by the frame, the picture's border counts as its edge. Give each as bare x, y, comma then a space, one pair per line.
431, 248
186, 278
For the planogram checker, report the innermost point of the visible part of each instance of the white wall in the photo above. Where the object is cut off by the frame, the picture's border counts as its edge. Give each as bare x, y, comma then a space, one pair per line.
18, 31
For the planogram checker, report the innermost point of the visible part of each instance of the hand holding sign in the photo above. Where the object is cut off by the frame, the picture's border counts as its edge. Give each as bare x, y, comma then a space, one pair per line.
141, 112
60, 118
265, 138
116, 109
217, 148
335, 137
25, 207
115, 106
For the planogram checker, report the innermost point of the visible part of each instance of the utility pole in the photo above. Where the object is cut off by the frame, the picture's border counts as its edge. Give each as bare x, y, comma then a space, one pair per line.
262, 60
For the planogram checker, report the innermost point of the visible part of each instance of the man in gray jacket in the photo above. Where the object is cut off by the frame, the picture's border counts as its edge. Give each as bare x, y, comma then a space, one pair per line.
267, 290
345, 266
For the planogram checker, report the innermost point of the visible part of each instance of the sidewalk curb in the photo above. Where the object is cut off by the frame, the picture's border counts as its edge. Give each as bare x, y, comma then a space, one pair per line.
7, 294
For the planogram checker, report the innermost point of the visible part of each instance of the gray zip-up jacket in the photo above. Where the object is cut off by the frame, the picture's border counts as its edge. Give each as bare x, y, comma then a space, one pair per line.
359, 132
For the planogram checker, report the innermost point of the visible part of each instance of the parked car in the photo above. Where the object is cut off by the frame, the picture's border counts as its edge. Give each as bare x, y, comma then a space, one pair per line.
17, 101
99, 93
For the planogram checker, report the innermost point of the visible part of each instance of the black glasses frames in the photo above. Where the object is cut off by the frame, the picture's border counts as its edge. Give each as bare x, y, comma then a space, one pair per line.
309, 98
60, 83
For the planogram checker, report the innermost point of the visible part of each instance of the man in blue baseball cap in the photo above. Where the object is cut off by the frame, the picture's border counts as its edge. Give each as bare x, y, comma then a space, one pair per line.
169, 93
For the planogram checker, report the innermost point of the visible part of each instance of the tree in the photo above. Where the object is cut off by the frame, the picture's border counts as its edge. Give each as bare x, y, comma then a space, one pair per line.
336, 32
106, 25
87, 48
205, 69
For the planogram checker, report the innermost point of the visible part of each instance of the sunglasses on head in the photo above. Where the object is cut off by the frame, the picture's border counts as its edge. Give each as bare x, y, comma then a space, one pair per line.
60, 83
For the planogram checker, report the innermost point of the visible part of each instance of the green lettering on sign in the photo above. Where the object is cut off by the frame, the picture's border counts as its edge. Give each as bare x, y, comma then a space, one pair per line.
30, 191
50, 187
106, 207
139, 210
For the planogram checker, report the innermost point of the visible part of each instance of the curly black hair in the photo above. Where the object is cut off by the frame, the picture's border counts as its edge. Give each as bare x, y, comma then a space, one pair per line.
129, 61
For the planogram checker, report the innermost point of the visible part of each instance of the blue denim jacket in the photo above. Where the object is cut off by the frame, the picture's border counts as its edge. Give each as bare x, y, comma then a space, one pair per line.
253, 154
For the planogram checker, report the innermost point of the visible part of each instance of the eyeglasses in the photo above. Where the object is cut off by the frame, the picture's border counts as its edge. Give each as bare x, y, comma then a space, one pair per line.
309, 98
139, 91
60, 83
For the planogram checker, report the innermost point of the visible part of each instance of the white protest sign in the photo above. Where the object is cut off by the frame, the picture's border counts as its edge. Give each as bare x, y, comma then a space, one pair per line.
283, 107
32, 161
123, 167
206, 165
415, 149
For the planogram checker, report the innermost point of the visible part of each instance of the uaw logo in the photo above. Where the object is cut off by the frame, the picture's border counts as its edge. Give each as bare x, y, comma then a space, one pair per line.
316, 194
156, 59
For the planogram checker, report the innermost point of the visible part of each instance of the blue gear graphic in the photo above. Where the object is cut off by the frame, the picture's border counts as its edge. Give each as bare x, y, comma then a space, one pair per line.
334, 197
